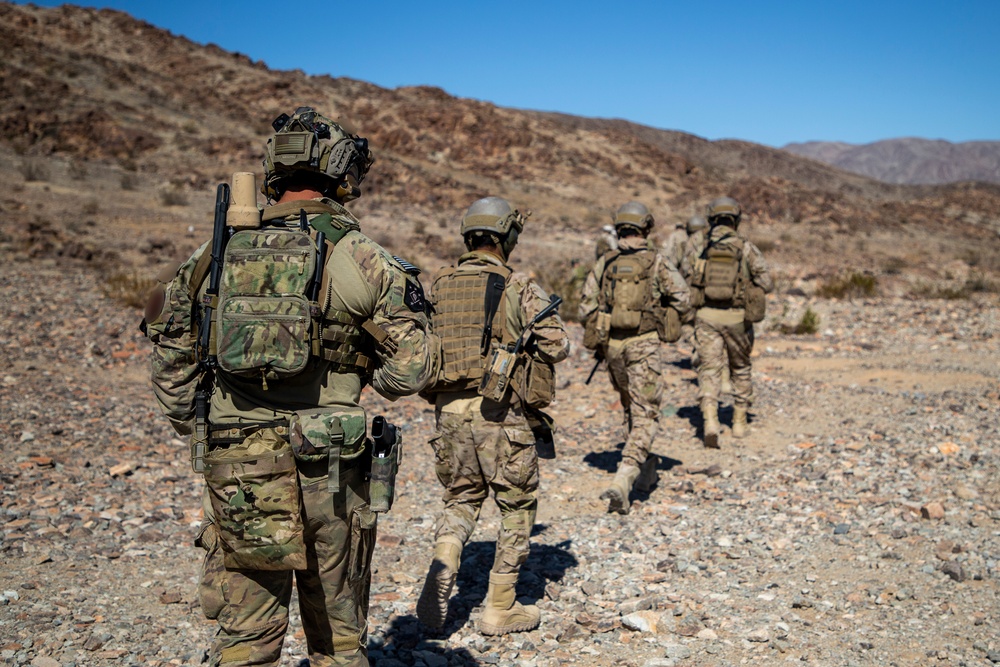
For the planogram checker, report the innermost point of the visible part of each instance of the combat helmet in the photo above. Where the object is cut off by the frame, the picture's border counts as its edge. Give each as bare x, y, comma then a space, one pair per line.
633, 214
695, 224
723, 208
309, 146
496, 218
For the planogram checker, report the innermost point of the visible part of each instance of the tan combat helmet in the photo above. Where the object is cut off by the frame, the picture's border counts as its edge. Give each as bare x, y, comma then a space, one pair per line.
312, 148
496, 218
724, 211
695, 224
633, 214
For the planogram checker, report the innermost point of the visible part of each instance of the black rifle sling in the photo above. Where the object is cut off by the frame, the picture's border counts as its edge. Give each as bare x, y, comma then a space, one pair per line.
495, 285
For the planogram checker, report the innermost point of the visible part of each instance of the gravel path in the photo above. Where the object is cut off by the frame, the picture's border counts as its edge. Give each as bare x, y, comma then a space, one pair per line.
858, 525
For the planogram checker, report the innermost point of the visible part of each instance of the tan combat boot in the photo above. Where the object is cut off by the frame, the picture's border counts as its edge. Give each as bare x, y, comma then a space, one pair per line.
617, 493
432, 606
503, 613
710, 415
648, 477
740, 428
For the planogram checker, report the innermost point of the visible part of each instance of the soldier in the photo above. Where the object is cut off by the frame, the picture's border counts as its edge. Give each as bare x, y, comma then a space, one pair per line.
625, 305
606, 242
293, 340
484, 435
675, 248
728, 278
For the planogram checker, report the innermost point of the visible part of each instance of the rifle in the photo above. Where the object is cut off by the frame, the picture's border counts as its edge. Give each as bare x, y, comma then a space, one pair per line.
206, 360
599, 358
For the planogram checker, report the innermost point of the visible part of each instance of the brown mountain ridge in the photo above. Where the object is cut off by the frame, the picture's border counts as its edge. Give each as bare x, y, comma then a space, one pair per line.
101, 89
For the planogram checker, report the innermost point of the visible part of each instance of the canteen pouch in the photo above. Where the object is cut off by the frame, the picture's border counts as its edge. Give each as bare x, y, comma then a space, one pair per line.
255, 496
597, 330
333, 434
756, 304
496, 379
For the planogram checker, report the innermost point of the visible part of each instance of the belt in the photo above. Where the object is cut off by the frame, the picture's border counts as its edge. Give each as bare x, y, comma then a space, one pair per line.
223, 435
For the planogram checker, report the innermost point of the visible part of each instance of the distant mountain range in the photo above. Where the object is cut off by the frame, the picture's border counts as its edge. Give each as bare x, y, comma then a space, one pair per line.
910, 161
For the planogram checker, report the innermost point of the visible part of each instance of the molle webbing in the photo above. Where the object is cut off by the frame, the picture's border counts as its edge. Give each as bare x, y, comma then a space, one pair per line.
341, 340
222, 435
460, 321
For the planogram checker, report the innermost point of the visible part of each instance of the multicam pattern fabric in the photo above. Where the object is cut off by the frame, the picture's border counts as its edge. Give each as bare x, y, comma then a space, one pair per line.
264, 321
255, 497
722, 337
484, 445
338, 528
634, 360
635, 371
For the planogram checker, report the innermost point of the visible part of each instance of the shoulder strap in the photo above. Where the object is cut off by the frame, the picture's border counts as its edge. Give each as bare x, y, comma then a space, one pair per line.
200, 272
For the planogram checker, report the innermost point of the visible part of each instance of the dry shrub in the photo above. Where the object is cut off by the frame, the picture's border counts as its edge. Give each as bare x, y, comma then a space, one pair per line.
128, 288
566, 279
976, 283
34, 170
129, 181
849, 287
173, 197
808, 324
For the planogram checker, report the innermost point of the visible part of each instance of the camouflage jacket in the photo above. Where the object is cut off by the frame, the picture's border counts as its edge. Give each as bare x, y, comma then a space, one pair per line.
674, 246
667, 280
360, 278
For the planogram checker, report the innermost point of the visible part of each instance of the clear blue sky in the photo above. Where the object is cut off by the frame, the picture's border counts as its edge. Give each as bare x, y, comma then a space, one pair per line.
765, 71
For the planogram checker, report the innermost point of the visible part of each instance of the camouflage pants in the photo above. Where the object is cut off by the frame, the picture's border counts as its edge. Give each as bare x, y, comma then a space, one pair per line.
635, 369
715, 341
481, 446
251, 606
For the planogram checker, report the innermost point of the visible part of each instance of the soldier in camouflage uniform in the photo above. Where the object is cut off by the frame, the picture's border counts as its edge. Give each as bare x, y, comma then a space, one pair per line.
487, 443
624, 286
606, 241
372, 328
723, 337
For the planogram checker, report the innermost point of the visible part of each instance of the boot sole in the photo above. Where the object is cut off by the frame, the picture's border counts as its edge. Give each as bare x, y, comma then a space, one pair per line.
432, 606
712, 440
616, 504
495, 630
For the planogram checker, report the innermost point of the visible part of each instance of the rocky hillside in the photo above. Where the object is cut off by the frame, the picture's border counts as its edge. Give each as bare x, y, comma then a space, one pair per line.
910, 160
97, 87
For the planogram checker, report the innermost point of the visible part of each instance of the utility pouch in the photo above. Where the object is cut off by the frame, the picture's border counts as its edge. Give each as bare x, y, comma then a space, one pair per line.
625, 318
668, 324
387, 452
539, 384
333, 434
256, 500
697, 296
496, 379
597, 330
756, 304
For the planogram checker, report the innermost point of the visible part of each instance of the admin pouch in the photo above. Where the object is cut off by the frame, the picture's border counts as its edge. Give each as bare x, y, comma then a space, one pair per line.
756, 304
537, 387
264, 321
597, 330
336, 435
255, 496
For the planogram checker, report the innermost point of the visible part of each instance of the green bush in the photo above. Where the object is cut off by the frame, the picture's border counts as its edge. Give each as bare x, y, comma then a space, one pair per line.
849, 287
808, 324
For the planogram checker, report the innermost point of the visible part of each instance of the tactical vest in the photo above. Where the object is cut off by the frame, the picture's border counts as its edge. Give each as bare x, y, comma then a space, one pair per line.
722, 277
265, 325
462, 296
627, 290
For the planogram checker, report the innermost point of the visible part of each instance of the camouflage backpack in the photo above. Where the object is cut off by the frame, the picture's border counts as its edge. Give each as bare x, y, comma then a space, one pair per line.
264, 320
722, 278
626, 287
